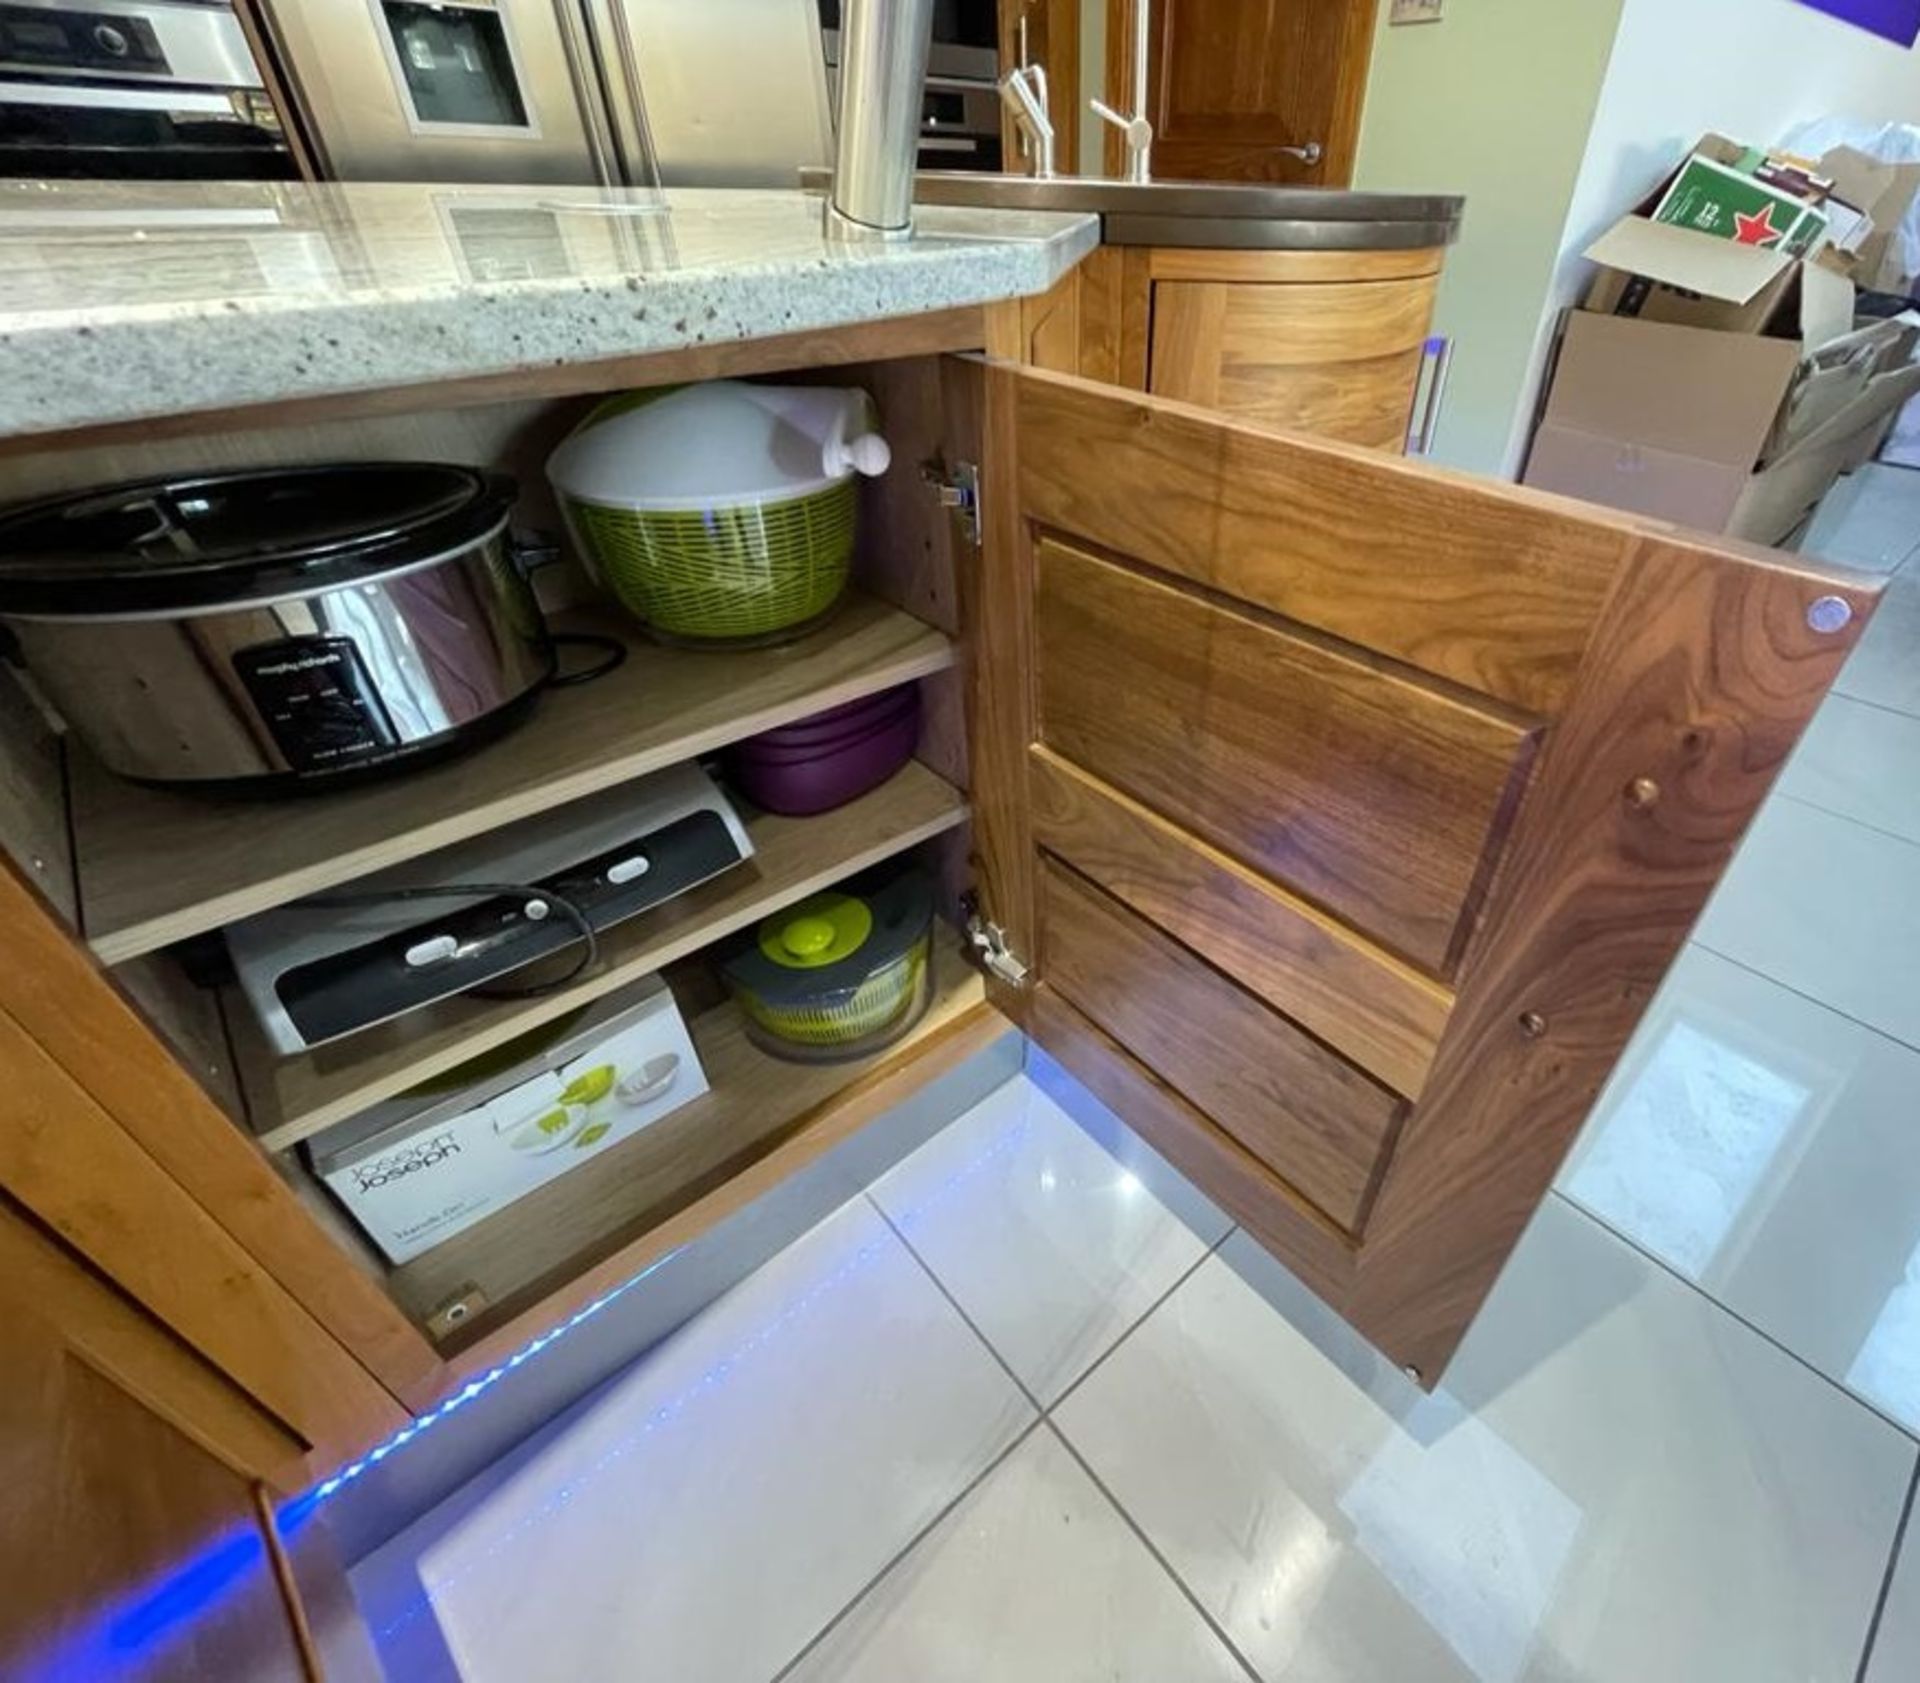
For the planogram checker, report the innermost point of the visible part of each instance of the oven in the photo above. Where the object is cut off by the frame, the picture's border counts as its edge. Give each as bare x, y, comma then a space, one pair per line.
147, 89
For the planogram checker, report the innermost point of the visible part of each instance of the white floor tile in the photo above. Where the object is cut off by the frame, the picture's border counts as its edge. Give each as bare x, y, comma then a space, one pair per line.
1862, 762
1747, 1130
709, 1511
1033, 1579
1620, 1484
1829, 908
1870, 519
1884, 667
1051, 1247
1896, 1650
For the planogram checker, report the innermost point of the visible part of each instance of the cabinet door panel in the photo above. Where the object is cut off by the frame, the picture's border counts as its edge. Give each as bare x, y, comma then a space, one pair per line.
1302, 1111
1264, 727
1317, 768
1339, 361
131, 1541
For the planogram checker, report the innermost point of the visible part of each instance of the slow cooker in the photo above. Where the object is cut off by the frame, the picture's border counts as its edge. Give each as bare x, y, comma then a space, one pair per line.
277, 628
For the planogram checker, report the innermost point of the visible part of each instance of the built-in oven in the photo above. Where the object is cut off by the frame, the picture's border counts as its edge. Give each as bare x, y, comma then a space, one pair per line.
960, 112
147, 89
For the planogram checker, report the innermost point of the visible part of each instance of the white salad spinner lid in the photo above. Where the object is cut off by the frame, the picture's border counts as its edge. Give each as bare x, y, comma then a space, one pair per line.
716, 444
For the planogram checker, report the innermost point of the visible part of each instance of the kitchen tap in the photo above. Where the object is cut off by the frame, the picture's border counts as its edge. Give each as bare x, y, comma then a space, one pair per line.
883, 78
1024, 92
1136, 130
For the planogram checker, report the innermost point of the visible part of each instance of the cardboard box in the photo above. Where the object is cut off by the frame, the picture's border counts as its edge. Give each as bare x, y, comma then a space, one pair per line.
1712, 383
1675, 422
415, 1171
1883, 193
1730, 203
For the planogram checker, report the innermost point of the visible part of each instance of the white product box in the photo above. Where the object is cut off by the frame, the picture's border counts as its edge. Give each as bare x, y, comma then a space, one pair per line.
417, 1170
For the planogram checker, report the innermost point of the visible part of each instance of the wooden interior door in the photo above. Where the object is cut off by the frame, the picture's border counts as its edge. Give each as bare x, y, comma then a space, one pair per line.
1233, 82
134, 1539
1348, 812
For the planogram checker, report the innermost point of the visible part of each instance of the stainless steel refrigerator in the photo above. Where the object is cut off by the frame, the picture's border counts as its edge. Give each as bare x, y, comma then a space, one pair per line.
682, 92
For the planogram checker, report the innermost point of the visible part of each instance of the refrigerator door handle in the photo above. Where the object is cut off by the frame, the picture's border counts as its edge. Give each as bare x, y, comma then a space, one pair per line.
611, 31
583, 71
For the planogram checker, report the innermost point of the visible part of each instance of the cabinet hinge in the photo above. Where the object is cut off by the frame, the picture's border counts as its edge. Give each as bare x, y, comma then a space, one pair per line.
989, 944
957, 484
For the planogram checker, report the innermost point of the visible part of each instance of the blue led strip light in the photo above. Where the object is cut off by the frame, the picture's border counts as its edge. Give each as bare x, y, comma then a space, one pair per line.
293, 1512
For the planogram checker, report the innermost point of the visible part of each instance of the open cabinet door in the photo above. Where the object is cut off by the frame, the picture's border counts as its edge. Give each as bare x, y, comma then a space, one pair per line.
1346, 813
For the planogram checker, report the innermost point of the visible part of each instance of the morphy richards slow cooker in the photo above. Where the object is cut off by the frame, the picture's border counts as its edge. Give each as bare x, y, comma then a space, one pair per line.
277, 628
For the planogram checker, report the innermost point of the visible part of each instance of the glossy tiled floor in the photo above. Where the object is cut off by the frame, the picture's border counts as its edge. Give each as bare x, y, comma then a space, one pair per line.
1030, 1411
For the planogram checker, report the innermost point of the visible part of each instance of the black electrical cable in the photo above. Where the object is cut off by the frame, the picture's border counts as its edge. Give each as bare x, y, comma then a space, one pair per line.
467, 890
611, 647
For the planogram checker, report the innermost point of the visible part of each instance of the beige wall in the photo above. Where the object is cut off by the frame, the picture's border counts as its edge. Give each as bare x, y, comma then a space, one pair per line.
1494, 101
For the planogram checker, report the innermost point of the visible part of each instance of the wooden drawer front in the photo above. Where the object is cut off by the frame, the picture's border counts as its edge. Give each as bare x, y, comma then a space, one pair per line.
1379, 798
1307, 1114
1338, 360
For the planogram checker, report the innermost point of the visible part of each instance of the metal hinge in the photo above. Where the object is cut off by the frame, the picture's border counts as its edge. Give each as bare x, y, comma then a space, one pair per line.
989, 943
957, 484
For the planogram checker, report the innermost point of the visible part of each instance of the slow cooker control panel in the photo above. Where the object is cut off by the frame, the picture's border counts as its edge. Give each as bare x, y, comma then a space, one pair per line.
317, 700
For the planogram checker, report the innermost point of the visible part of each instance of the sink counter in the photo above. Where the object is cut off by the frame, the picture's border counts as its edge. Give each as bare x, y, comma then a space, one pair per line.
1211, 215
123, 301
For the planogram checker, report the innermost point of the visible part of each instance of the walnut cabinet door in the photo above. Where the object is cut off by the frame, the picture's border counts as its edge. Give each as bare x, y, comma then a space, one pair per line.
1346, 813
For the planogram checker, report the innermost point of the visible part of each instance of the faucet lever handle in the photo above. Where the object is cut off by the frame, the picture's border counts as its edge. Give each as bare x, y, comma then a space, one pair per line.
1136, 131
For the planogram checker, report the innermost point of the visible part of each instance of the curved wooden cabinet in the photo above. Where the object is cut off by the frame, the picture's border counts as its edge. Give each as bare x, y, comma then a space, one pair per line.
1325, 342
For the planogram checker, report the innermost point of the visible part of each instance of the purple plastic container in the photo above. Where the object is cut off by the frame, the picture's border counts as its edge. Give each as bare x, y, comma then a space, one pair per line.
830, 759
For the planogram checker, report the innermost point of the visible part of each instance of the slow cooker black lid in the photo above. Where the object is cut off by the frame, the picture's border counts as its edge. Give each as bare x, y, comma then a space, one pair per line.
166, 544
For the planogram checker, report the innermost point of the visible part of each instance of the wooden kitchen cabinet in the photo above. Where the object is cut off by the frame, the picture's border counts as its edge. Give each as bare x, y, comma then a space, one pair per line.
137, 1524
1343, 814
1328, 342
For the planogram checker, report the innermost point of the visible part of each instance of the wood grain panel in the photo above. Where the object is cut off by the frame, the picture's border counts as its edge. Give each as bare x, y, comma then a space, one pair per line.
1368, 403
1468, 580
53, 988
1182, 263
1380, 1013
1256, 1198
1284, 326
66, 1160
33, 799
1309, 1116
1702, 674
108, 1499
1377, 797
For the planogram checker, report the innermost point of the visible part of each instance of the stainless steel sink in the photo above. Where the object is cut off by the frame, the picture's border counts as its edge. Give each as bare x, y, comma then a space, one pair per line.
1206, 213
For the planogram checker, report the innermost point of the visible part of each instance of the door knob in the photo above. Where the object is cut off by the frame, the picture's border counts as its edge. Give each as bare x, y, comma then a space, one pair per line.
1309, 154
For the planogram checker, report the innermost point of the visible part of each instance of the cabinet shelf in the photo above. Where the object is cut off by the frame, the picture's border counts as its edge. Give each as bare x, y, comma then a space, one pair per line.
289, 1099
757, 1106
156, 867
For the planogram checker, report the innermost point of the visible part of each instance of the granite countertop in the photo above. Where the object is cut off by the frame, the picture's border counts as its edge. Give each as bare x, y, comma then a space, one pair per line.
121, 301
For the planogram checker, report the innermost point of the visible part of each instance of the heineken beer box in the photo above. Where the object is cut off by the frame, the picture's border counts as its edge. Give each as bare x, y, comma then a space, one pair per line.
1732, 203
419, 1168
1717, 247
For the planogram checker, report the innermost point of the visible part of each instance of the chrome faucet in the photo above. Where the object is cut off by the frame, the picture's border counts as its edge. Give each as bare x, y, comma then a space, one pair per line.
1024, 92
1136, 130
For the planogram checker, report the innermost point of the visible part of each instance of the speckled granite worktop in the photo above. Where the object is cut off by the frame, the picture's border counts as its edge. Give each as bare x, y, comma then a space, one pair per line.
120, 301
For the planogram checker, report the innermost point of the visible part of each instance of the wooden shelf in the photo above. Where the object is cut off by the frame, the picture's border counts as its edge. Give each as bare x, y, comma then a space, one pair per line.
289, 1099
535, 1246
156, 867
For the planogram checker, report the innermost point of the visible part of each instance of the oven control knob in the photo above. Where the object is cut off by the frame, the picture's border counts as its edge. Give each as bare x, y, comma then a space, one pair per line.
113, 42
625, 870
436, 949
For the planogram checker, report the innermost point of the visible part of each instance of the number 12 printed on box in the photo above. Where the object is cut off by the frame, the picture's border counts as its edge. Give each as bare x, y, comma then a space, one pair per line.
1897, 20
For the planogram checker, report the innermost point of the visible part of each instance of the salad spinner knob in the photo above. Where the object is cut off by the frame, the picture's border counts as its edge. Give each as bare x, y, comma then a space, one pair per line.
807, 936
